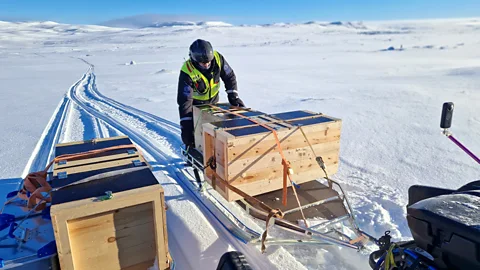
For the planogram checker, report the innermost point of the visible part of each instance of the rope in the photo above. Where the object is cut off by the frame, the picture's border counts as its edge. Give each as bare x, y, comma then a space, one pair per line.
319, 159
274, 213
7, 202
298, 201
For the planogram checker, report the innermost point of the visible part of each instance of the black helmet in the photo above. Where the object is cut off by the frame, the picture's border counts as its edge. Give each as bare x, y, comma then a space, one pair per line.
201, 51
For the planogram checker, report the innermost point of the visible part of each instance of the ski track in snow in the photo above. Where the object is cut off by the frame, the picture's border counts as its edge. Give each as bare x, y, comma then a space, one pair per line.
44, 150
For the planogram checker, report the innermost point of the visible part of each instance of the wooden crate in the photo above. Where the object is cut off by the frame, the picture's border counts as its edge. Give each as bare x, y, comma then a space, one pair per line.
206, 114
247, 157
127, 231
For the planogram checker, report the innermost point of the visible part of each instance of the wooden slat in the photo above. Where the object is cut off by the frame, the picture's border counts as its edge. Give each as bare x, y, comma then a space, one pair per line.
98, 166
256, 173
62, 240
161, 242
326, 128
220, 156
159, 208
209, 143
267, 144
92, 160
209, 148
265, 185
272, 156
90, 141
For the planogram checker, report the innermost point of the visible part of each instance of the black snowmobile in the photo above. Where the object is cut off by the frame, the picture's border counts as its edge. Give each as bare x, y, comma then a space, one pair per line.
445, 225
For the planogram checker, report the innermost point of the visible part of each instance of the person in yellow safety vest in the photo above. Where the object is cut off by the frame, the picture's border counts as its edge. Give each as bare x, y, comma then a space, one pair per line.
199, 83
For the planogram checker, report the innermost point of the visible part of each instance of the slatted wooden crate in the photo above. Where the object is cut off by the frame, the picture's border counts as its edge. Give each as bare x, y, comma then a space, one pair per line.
207, 114
247, 157
127, 231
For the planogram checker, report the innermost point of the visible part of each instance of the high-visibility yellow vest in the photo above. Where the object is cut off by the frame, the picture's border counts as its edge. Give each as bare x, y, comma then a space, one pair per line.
211, 87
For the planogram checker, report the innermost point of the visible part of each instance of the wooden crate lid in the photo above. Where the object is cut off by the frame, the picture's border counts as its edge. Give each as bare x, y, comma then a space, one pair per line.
208, 109
65, 173
83, 146
116, 181
243, 127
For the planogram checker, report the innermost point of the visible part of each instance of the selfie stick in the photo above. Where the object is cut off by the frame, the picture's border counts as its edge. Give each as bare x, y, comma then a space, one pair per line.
446, 122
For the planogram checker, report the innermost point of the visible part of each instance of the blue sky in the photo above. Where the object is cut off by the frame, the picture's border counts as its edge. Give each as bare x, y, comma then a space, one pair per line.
237, 12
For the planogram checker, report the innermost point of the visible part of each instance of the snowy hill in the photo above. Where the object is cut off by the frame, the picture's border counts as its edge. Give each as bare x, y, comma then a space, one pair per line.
187, 23
158, 20
214, 24
385, 80
354, 25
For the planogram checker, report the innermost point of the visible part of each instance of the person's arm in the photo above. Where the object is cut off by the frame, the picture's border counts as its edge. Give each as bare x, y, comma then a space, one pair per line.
230, 80
185, 104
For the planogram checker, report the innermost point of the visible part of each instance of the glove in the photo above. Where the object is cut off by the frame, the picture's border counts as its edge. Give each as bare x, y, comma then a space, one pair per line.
187, 133
235, 100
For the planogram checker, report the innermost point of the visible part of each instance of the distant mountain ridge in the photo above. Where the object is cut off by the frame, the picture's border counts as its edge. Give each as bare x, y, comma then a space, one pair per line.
188, 23
159, 20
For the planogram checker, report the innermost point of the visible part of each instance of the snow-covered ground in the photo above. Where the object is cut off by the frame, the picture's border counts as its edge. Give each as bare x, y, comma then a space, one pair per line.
385, 80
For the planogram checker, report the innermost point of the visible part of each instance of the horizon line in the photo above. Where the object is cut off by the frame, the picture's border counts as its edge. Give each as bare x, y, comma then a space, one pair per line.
247, 24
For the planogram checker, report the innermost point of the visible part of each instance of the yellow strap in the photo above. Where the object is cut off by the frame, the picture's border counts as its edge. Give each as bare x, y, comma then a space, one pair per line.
389, 258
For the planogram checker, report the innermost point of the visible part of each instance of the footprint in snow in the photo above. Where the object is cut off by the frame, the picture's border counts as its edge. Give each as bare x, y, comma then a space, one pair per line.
164, 71
314, 99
